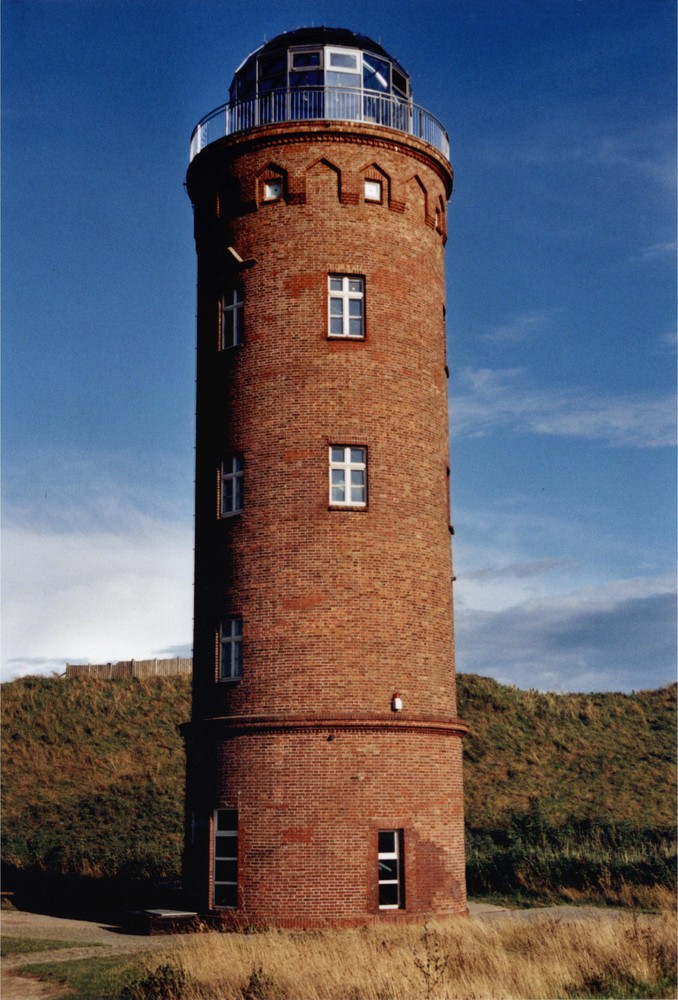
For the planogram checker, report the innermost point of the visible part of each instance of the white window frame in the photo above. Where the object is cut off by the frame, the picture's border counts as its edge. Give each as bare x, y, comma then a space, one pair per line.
390, 856
344, 53
341, 474
344, 295
225, 840
273, 189
231, 319
229, 667
374, 190
231, 482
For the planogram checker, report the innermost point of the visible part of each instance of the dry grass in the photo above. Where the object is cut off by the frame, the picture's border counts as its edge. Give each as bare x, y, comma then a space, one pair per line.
611, 954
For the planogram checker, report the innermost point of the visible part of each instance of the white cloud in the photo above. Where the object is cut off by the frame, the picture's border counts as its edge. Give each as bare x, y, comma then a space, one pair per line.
617, 637
485, 399
658, 250
94, 595
517, 329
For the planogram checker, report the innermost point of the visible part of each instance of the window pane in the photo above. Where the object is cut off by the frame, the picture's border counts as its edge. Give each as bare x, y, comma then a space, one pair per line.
355, 307
226, 847
228, 496
227, 819
357, 477
358, 455
387, 841
375, 73
388, 894
226, 871
357, 494
337, 454
336, 307
344, 59
355, 327
226, 895
300, 59
338, 78
388, 870
336, 326
338, 493
306, 78
335, 284
355, 284
238, 463
237, 327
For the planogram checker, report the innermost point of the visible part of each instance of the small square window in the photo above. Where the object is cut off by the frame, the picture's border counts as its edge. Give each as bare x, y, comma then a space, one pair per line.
346, 306
372, 190
348, 476
273, 189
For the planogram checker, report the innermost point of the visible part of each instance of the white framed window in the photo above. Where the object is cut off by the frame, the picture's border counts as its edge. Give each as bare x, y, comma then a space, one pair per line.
231, 321
305, 58
372, 190
273, 189
390, 860
346, 306
230, 649
348, 476
342, 67
225, 882
231, 481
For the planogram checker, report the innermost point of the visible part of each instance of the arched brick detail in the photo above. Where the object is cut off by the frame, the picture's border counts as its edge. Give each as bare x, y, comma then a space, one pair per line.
373, 172
418, 201
271, 172
324, 179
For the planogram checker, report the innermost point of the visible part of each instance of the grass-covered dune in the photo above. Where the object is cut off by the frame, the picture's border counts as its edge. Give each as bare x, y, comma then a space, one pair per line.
568, 796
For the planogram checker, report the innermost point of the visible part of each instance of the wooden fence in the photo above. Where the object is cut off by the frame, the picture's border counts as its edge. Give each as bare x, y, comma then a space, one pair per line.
132, 668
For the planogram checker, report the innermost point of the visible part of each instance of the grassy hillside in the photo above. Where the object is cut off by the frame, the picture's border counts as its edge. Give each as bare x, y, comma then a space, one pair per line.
596, 756
93, 775
93, 780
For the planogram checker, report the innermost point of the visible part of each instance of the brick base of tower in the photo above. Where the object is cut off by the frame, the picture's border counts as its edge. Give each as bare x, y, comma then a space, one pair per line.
311, 798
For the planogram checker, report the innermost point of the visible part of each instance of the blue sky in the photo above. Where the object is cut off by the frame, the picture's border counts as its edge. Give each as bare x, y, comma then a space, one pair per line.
561, 321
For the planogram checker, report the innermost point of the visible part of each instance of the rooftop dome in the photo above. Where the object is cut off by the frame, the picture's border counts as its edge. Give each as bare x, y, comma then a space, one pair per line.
320, 74
319, 57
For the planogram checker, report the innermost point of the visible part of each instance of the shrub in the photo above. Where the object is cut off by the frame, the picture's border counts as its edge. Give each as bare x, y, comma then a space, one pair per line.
167, 982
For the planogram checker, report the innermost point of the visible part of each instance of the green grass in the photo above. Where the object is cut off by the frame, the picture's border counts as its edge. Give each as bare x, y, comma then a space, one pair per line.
27, 945
93, 786
90, 979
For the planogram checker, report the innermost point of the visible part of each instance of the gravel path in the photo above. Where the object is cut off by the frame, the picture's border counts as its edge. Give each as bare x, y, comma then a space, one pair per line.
107, 941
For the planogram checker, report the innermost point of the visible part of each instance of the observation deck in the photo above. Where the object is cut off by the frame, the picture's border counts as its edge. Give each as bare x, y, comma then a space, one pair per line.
320, 74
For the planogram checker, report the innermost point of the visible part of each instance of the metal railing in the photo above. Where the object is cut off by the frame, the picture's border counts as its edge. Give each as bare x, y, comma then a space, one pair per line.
326, 103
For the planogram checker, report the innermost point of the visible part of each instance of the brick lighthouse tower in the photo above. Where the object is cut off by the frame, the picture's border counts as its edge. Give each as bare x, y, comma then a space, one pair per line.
324, 753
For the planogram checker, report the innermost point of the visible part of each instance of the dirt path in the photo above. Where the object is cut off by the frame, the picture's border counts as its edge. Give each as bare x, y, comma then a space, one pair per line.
91, 940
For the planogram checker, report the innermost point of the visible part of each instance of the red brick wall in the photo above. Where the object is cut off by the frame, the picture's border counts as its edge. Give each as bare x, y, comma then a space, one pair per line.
310, 804
341, 608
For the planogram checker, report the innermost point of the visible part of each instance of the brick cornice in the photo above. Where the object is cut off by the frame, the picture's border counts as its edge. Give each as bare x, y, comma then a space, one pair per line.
291, 133
234, 725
